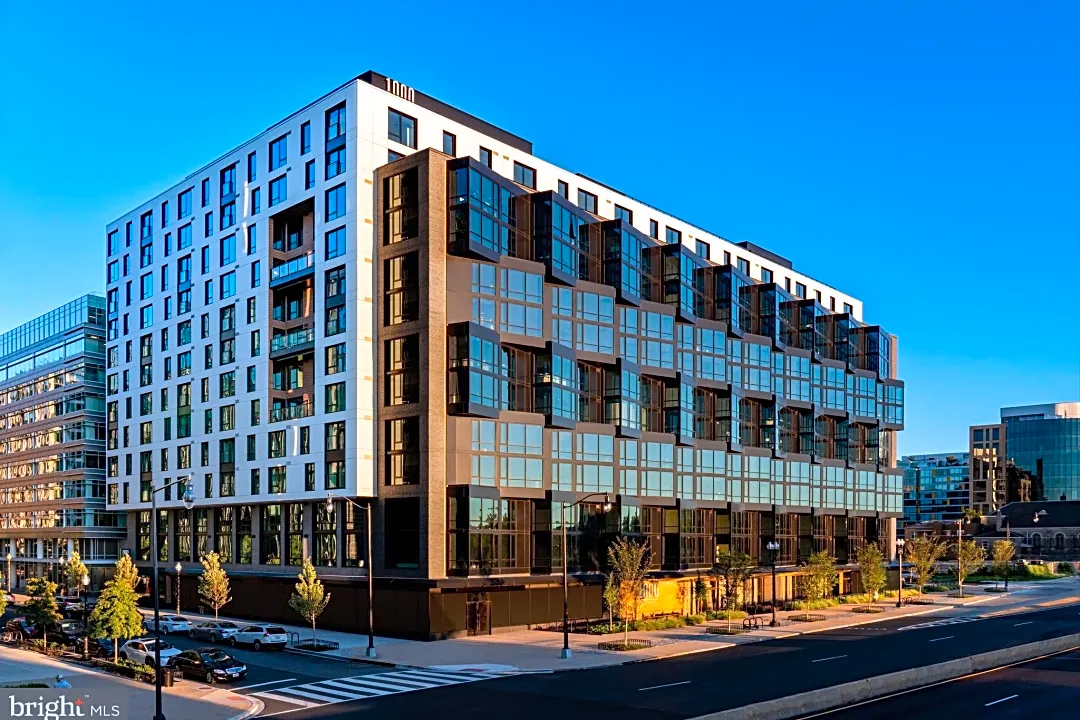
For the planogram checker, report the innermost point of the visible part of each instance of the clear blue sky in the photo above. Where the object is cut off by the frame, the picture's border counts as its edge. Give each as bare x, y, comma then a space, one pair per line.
923, 156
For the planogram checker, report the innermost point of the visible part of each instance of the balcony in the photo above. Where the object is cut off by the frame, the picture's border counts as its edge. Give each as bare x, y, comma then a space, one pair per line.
292, 411
295, 269
297, 341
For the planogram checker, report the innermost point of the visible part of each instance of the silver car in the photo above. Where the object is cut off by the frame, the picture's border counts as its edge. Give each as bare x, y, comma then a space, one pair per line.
214, 630
261, 636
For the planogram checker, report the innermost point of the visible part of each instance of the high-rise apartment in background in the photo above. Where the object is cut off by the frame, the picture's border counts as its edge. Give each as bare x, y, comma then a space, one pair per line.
52, 445
384, 297
1032, 454
936, 487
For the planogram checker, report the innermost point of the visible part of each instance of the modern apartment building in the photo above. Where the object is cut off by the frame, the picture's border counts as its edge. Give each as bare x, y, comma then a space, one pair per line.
936, 487
52, 446
1033, 454
384, 298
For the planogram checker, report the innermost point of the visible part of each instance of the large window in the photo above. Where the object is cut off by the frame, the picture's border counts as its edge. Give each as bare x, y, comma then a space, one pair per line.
402, 129
524, 175
401, 280
403, 451
402, 364
335, 163
278, 190
279, 152
335, 243
335, 203
335, 122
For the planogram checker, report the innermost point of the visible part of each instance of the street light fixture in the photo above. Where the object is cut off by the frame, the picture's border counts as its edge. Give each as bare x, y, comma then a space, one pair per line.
774, 550
900, 586
188, 499
9, 572
566, 654
370, 570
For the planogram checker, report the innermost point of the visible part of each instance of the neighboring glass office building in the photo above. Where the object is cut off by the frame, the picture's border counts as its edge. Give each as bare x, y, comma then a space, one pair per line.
936, 487
1044, 441
52, 445
1032, 454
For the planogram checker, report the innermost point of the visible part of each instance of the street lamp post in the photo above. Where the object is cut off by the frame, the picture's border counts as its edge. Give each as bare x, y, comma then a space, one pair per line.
566, 654
370, 571
189, 501
959, 544
179, 568
774, 550
9, 572
900, 576
86, 638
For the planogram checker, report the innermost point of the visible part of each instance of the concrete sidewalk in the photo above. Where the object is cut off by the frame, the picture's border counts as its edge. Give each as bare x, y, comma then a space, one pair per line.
538, 650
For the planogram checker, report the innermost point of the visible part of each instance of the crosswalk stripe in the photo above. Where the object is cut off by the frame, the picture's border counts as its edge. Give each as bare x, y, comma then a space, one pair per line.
435, 676
303, 691
363, 687
281, 698
318, 688
351, 688
383, 684
348, 683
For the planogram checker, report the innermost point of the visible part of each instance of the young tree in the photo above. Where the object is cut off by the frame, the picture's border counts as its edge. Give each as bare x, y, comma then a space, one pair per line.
923, 552
821, 578
611, 598
701, 593
871, 571
214, 583
732, 569
1001, 554
127, 573
310, 598
970, 556
116, 615
74, 570
40, 608
3, 603
629, 562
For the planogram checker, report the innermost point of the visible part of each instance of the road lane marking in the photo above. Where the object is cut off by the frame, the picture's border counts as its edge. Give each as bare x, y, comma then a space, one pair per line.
834, 657
287, 700
947, 637
657, 687
1029, 622
1001, 700
263, 684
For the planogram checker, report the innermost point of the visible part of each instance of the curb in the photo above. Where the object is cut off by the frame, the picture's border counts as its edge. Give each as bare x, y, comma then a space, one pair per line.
362, 660
255, 706
860, 691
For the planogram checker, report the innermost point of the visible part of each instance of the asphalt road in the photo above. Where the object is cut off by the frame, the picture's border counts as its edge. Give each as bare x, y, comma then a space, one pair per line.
1048, 689
698, 684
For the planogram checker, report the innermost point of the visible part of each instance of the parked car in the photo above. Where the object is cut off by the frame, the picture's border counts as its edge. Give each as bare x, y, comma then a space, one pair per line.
261, 636
209, 664
168, 624
21, 628
141, 650
214, 630
9, 599
66, 632
102, 648
69, 605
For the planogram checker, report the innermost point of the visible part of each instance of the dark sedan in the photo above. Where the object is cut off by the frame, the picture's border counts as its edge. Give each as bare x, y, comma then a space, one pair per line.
209, 664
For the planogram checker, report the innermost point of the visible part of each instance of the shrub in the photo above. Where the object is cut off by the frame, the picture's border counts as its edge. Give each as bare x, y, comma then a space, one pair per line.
694, 619
1064, 568
26, 686
805, 605
935, 588
726, 615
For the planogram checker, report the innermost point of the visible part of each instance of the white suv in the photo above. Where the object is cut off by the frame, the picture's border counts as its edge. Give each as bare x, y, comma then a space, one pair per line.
141, 650
169, 624
261, 636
